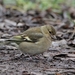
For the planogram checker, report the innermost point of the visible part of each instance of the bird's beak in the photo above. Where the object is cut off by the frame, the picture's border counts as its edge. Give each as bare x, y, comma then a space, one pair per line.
53, 37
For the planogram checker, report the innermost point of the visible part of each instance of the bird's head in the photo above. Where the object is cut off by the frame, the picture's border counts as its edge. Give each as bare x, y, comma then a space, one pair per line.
48, 30
51, 29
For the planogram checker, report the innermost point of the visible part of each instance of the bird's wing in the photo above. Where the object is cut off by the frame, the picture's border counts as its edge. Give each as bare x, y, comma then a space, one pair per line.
33, 37
33, 34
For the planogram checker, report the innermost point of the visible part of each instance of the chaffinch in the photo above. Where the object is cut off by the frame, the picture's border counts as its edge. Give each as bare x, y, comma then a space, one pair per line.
35, 40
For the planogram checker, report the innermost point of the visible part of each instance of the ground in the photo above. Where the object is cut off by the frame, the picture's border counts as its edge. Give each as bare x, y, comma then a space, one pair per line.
58, 60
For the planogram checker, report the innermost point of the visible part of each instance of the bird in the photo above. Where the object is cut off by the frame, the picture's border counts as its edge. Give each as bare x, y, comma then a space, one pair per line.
35, 40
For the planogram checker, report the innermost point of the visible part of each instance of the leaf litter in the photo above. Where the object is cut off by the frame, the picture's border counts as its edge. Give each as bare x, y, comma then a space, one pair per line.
58, 60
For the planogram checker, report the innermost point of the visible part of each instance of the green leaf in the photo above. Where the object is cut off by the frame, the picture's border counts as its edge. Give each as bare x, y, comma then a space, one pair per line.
9, 2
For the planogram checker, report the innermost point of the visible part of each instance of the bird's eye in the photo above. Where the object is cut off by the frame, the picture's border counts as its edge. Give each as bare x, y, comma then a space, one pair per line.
50, 32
